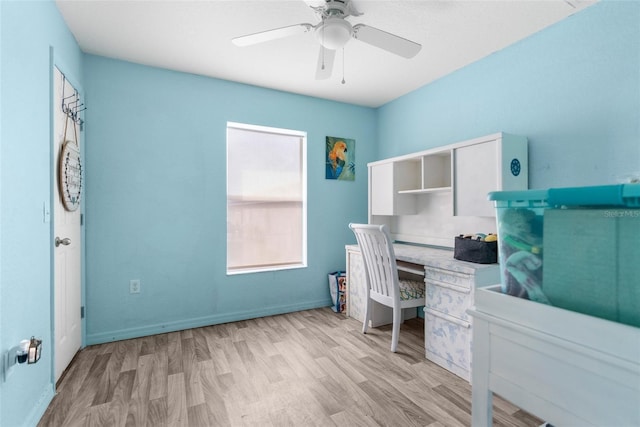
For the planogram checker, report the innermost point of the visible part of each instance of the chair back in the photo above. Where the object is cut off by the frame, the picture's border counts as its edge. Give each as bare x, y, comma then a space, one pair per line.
379, 258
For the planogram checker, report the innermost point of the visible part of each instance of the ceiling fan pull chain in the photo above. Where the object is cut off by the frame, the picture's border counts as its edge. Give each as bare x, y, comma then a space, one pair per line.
322, 48
343, 66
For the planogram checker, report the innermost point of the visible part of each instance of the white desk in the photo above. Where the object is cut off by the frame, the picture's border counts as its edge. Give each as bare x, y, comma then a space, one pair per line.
450, 286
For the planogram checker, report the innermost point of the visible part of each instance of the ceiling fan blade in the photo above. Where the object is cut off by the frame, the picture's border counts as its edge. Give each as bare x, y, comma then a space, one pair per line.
325, 63
387, 41
278, 33
352, 8
313, 4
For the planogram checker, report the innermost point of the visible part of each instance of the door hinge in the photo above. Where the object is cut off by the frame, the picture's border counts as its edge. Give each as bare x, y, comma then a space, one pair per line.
82, 312
81, 219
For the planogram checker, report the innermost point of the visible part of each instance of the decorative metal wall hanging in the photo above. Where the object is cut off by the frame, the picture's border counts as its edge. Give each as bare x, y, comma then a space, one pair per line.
70, 172
70, 178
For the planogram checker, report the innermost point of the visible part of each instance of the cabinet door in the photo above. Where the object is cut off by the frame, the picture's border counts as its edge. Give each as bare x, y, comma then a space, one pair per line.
381, 188
387, 180
476, 174
494, 165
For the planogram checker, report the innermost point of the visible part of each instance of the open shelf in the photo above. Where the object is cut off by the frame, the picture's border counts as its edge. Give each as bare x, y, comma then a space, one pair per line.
425, 190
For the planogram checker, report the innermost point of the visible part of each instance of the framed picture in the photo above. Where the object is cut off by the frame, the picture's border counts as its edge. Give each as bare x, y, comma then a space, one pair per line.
340, 159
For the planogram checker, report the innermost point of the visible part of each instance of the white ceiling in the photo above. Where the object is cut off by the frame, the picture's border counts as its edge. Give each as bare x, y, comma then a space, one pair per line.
195, 37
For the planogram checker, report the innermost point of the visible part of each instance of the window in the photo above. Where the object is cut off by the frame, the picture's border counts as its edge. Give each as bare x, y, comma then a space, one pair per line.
266, 198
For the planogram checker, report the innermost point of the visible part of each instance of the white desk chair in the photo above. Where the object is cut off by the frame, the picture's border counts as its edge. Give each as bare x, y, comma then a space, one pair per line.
381, 272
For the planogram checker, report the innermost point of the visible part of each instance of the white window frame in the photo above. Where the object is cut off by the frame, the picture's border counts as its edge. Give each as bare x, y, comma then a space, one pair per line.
288, 133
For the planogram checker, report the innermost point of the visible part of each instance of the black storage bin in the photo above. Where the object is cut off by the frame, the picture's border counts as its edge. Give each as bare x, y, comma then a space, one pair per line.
477, 251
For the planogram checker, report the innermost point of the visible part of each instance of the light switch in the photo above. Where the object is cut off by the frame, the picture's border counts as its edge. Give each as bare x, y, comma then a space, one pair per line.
46, 212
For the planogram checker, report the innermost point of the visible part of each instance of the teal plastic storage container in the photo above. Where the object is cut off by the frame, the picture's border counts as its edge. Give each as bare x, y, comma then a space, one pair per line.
520, 218
574, 248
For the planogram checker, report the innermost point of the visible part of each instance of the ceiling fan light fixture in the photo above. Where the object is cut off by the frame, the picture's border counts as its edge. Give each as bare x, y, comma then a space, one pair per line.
334, 32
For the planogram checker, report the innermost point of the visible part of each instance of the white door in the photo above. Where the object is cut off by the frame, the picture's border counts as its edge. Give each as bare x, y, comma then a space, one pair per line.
67, 235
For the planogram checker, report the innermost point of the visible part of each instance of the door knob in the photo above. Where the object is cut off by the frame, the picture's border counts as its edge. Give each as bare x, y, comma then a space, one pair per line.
66, 241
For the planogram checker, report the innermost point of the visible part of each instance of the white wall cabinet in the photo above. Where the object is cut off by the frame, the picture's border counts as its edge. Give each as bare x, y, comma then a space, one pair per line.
431, 196
394, 184
390, 179
488, 165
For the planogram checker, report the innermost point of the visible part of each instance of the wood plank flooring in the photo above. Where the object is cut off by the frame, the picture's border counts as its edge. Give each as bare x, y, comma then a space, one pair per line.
310, 368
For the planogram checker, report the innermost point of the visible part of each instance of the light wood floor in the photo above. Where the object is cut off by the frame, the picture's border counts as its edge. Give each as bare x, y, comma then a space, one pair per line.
310, 368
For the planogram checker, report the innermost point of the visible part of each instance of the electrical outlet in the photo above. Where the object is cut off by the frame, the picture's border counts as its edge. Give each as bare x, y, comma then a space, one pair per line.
134, 286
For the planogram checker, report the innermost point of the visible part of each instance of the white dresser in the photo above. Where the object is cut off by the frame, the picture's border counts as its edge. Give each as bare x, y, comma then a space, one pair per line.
450, 286
567, 368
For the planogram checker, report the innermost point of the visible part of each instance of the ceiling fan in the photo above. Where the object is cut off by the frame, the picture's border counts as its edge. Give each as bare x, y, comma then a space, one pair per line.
333, 32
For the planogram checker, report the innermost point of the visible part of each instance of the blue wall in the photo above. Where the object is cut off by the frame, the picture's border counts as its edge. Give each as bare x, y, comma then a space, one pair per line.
28, 31
155, 194
573, 89
156, 199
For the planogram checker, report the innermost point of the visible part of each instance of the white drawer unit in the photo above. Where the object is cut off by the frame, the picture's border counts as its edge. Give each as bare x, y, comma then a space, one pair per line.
450, 297
448, 343
447, 326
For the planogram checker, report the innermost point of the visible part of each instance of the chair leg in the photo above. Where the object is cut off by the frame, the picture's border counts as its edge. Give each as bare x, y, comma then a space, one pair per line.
397, 318
367, 316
